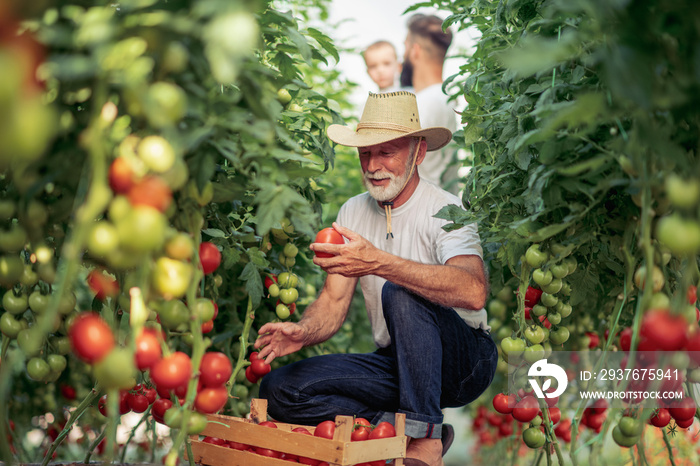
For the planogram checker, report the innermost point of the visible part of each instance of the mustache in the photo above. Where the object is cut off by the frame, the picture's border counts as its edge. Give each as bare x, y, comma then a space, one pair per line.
380, 175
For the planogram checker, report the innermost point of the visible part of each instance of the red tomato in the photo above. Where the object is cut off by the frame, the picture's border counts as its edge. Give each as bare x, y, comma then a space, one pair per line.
123, 403
103, 285
361, 430
682, 410
68, 392
215, 369
252, 378
209, 257
663, 330
503, 403
526, 409
208, 326
211, 399
266, 451
151, 191
328, 235
160, 406
532, 296
383, 430
660, 418
214, 441
554, 415
148, 349
325, 429
692, 294
137, 402
269, 281
90, 337
626, 339
593, 339
151, 394
260, 368
172, 371
301, 459
599, 406
121, 175
238, 446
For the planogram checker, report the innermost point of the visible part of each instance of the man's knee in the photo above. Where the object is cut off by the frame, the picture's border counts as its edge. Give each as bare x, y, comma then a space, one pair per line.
395, 297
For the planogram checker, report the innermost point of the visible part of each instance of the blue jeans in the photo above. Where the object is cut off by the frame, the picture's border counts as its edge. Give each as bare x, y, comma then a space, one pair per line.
435, 361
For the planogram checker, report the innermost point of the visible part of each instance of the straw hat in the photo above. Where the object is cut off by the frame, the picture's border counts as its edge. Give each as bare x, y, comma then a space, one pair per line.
387, 117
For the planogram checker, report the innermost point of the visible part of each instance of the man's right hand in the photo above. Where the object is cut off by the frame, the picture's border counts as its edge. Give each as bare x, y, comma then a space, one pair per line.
279, 339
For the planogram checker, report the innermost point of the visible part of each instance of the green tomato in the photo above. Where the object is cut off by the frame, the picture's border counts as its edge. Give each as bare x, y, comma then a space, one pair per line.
60, 345
534, 334
197, 423
9, 326
67, 303
289, 295
560, 270
56, 362
571, 264
171, 277
38, 302
274, 290
28, 341
290, 250
103, 239
116, 370
538, 310
204, 308
553, 287
11, 270
14, 239
536, 257
542, 277
512, 347
548, 299
29, 277
558, 336
554, 318
142, 230
534, 437
282, 311
533, 353
38, 369
13, 303
497, 308
622, 439
630, 426
683, 193
565, 310
287, 280
173, 313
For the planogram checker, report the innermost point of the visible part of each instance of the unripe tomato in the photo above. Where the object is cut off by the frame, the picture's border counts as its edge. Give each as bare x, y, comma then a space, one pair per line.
165, 105
142, 229
171, 278
116, 369
180, 247
289, 295
535, 257
534, 437
282, 311
103, 239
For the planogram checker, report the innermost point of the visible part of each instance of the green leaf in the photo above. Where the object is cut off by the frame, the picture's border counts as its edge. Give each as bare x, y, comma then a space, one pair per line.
301, 43
253, 283
214, 233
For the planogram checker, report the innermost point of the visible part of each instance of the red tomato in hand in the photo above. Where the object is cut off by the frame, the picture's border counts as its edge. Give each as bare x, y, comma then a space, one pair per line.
90, 337
172, 371
328, 235
215, 369
260, 368
209, 257
325, 429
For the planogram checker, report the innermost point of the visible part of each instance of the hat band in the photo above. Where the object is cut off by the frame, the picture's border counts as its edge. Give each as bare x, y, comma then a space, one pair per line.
385, 126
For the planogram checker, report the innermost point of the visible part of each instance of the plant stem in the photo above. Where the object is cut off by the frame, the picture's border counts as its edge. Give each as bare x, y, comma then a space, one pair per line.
94, 445
75, 415
133, 431
669, 448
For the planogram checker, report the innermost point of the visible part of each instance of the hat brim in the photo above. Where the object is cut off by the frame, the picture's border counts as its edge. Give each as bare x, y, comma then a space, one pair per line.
436, 137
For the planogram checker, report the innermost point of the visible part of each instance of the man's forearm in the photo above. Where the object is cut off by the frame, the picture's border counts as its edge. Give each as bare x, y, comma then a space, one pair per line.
460, 283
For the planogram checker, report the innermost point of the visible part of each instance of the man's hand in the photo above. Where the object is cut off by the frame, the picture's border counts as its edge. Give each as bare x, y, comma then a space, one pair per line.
279, 339
356, 258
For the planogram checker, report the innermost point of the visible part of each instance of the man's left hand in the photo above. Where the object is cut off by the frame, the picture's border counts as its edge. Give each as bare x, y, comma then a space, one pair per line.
355, 258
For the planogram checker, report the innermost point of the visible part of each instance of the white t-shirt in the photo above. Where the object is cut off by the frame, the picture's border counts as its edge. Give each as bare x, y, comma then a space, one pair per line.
418, 236
435, 110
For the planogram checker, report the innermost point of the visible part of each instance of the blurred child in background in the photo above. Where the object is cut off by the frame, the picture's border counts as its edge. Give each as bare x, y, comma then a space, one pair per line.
383, 65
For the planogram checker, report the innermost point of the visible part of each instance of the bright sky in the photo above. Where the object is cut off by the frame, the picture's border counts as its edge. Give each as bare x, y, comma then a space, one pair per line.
363, 22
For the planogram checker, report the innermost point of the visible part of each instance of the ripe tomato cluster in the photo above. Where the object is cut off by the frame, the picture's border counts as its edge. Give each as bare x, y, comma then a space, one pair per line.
257, 369
525, 409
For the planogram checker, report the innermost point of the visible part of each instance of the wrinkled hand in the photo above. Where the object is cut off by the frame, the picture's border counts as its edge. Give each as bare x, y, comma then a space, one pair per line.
279, 339
356, 258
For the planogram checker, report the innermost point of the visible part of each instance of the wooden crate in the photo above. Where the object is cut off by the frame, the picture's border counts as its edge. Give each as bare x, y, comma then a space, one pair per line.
339, 451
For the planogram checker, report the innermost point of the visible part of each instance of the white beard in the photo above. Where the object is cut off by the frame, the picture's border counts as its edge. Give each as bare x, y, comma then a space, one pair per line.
381, 193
